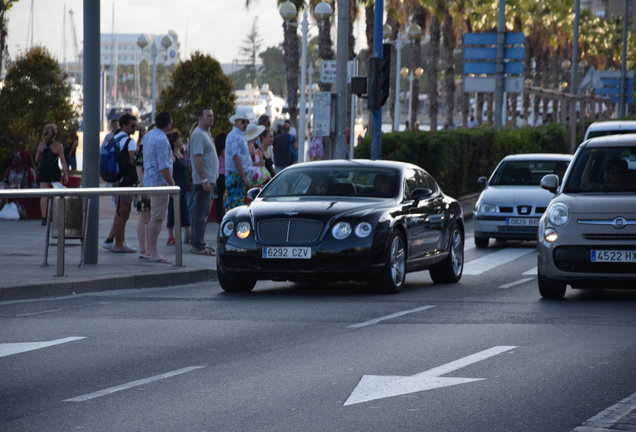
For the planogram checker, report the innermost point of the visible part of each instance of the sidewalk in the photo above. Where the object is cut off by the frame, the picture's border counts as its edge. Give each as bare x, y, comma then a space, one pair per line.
22, 246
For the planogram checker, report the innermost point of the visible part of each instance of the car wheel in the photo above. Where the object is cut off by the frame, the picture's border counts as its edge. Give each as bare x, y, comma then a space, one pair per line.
234, 285
550, 291
481, 242
450, 270
394, 273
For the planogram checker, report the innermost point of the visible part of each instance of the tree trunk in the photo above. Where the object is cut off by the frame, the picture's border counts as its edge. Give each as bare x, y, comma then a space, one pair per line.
3, 36
420, 17
490, 112
325, 46
433, 69
369, 11
291, 56
391, 102
480, 109
450, 43
351, 55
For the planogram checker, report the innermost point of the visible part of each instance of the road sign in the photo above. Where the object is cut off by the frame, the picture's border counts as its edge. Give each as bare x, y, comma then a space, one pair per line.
372, 387
491, 53
323, 113
617, 99
488, 84
511, 38
515, 68
328, 71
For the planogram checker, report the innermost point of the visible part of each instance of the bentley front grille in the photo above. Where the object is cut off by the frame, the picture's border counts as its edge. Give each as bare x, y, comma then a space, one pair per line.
289, 230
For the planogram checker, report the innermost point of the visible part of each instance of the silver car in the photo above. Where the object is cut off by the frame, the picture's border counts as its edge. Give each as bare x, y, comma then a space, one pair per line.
513, 202
587, 237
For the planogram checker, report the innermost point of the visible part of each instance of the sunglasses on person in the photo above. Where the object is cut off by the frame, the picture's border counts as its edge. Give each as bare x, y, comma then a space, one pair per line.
245, 121
616, 172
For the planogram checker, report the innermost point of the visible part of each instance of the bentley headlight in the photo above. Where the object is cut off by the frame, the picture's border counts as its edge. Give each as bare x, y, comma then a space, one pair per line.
341, 230
228, 228
363, 229
486, 208
243, 230
558, 214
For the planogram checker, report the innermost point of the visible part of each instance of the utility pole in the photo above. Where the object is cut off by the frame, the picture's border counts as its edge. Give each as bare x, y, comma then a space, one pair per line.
621, 104
341, 79
499, 71
92, 116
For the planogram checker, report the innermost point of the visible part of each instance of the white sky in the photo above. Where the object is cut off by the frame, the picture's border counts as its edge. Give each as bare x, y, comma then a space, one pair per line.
215, 27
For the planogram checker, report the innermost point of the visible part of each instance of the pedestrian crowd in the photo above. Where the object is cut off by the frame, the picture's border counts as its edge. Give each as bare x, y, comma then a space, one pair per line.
206, 169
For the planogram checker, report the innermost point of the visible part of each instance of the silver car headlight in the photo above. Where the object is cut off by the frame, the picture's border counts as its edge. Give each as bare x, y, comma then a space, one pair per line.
363, 229
482, 207
341, 230
558, 214
243, 230
228, 228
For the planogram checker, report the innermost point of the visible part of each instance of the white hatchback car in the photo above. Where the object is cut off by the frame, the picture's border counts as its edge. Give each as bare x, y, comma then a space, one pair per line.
587, 237
513, 202
604, 128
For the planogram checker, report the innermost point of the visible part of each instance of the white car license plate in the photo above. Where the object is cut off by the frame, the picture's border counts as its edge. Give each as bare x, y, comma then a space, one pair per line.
287, 252
613, 256
522, 222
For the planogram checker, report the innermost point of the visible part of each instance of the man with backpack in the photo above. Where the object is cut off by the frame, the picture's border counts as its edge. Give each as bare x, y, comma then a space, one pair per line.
116, 167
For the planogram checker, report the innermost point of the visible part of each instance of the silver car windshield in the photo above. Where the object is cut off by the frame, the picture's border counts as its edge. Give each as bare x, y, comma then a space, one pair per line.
604, 169
526, 172
327, 181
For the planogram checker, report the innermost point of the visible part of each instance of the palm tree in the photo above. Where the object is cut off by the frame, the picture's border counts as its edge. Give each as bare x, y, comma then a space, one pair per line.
449, 39
421, 17
291, 57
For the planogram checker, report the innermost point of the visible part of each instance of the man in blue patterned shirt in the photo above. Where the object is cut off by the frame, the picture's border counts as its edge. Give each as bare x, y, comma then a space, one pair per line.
238, 163
158, 172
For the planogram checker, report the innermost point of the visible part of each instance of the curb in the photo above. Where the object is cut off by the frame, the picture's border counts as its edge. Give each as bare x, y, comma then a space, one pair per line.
62, 287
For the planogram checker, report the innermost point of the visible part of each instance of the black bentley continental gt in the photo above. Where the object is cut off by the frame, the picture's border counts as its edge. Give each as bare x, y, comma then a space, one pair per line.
342, 220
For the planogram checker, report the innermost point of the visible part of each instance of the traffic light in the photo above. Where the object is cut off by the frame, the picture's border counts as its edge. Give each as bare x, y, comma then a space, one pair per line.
379, 79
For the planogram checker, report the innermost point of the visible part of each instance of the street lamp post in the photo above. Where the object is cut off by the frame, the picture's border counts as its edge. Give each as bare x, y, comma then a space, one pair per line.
413, 32
418, 73
322, 12
143, 42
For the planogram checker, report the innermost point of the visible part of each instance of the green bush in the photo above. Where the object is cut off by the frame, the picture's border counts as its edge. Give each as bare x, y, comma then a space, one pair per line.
457, 158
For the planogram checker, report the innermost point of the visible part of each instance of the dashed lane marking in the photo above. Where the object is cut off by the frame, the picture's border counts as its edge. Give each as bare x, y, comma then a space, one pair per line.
132, 384
395, 315
490, 261
531, 272
606, 419
519, 282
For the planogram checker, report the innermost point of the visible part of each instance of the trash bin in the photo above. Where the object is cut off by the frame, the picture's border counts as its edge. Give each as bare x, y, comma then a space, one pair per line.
74, 218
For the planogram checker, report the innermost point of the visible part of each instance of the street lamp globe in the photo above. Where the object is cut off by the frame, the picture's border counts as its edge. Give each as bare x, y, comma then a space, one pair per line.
404, 71
419, 71
566, 64
387, 31
142, 42
583, 64
414, 31
166, 41
288, 11
317, 63
322, 12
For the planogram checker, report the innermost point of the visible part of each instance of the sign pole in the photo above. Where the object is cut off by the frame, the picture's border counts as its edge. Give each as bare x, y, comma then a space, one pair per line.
376, 124
499, 72
621, 104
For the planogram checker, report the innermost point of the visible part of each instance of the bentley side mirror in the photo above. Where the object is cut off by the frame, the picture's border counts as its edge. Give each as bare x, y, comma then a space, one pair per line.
421, 193
550, 182
483, 181
253, 193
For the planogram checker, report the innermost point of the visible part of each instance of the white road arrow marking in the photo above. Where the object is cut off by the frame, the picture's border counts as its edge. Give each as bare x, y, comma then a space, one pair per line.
372, 387
7, 349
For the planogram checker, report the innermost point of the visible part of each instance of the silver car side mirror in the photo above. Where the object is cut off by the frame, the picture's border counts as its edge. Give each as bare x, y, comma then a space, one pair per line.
253, 193
550, 182
483, 181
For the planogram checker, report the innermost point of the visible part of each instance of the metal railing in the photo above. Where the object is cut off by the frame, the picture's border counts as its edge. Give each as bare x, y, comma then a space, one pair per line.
91, 192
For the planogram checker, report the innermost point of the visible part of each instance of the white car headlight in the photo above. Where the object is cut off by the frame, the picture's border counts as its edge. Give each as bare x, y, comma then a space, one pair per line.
363, 229
482, 207
228, 228
243, 230
341, 230
558, 214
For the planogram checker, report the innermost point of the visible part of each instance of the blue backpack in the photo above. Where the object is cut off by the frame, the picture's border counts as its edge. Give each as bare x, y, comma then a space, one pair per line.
109, 168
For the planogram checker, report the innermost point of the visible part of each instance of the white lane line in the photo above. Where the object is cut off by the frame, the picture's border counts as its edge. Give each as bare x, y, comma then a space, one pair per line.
132, 384
489, 262
63, 309
604, 420
531, 272
469, 243
7, 349
395, 315
519, 282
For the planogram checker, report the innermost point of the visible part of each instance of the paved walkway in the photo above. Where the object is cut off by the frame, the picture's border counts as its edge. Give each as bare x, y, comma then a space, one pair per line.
22, 251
